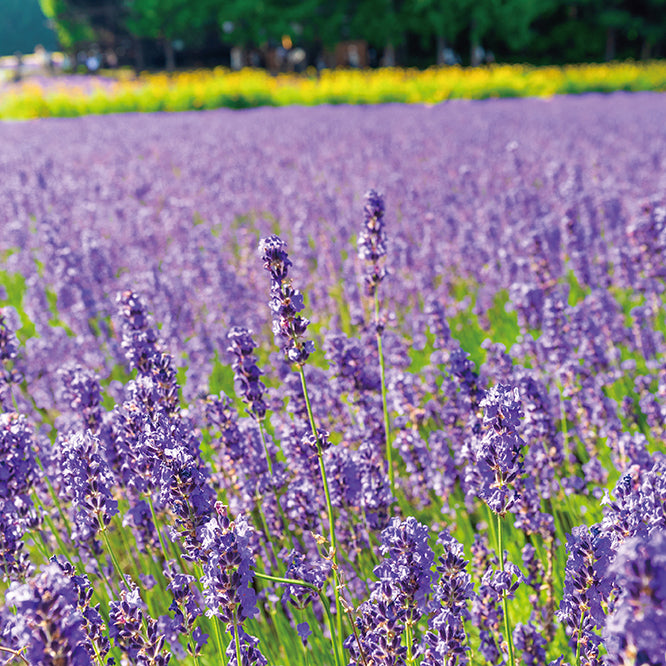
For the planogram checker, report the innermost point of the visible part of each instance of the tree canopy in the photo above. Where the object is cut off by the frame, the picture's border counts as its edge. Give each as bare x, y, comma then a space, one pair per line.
420, 31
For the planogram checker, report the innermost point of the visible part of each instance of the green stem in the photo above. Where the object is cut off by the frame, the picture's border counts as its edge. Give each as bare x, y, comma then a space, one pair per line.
329, 508
322, 468
578, 639
54, 497
382, 370
505, 601
149, 499
239, 656
260, 423
215, 620
408, 635
218, 640
114, 560
322, 597
15, 653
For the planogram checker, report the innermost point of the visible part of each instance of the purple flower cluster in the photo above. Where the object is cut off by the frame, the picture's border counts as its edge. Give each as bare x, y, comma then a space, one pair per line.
372, 240
135, 632
635, 630
18, 473
446, 642
528, 310
8, 352
286, 302
86, 482
300, 568
246, 372
400, 597
498, 452
587, 589
227, 567
47, 623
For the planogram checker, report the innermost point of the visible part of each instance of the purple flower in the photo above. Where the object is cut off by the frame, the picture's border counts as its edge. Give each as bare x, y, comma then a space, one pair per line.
379, 629
498, 452
184, 605
185, 489
249, 648
446, 640
87, 482
531, 643
81, 390
635, 630
487, 611
586, 589
8, 352
372, 240
314, 572
246, 372
286, 302
145, 352
407, 563
227, 567
47, 622
135, 632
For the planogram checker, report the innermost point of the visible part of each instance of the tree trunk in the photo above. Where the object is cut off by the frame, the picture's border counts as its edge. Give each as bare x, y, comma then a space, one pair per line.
441, 45
169, 55
139, 59
475, 52
388, 59
610, 44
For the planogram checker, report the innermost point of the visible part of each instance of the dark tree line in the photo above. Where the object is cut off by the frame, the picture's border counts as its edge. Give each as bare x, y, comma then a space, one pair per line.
407, 32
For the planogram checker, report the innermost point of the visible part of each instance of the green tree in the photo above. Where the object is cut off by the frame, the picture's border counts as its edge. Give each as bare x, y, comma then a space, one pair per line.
439, 19
71, 20
167, 21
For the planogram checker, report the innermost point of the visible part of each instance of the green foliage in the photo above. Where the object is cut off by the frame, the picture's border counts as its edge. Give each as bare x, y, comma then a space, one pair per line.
71, 22
529, 30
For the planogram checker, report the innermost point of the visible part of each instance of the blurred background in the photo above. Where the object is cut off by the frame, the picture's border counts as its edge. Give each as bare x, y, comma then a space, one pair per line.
293, 35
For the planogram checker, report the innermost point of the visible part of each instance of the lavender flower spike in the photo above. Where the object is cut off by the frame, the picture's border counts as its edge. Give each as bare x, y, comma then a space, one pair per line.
286, 302
498, 453
246, 372
372, 240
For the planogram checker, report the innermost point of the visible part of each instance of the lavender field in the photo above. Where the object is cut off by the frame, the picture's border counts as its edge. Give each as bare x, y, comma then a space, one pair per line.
335, 385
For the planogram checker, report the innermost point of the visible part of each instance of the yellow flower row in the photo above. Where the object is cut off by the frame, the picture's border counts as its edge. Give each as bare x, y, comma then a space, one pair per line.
208, 89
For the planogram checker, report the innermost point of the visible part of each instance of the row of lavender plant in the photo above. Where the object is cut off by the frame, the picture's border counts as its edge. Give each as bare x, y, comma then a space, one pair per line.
276, 519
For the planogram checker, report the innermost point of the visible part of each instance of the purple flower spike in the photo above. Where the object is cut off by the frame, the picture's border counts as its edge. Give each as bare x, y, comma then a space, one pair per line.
47, 623
372, 240
87, 482
408, 562
635, 631
446, 642
298, 567
286, 302
498, 452
141, 641
586, 589
227, 567
246, 372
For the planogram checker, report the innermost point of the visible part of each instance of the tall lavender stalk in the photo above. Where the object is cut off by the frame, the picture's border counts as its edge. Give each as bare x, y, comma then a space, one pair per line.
498, 458
289, 326
371, 250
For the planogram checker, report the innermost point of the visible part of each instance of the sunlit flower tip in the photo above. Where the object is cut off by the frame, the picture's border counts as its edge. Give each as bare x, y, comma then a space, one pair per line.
274, 255
374, 206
